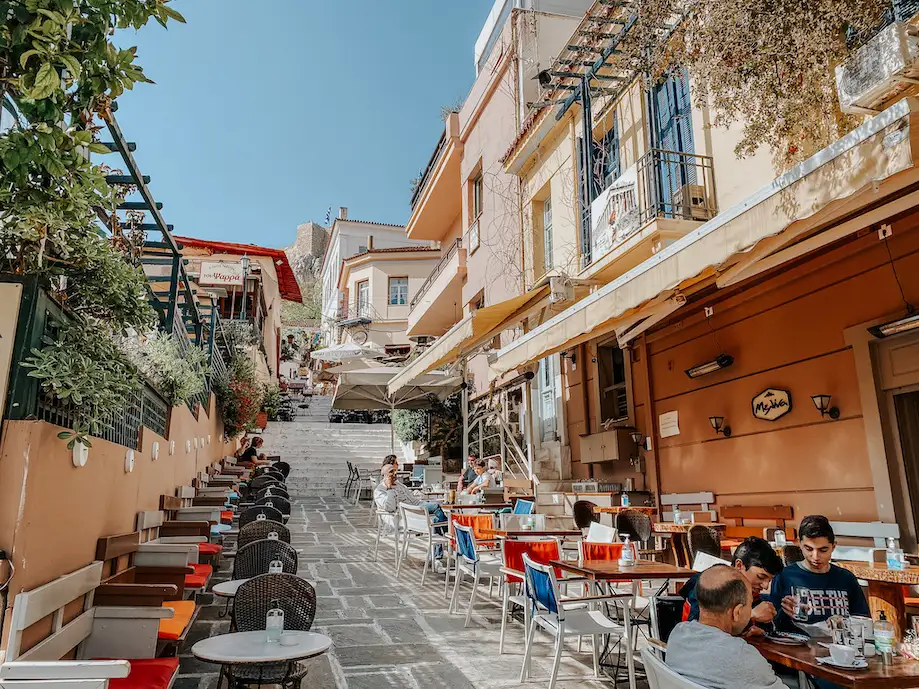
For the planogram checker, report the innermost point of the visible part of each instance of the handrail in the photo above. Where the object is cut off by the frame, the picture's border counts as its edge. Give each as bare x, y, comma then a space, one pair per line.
425, 176
438, 269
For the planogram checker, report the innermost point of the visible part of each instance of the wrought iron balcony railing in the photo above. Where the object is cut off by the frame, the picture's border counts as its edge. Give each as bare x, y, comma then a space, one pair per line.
438, 269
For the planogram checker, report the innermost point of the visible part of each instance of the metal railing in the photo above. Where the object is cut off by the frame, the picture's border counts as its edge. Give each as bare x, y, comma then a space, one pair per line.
662, 184
426, 175
438, 269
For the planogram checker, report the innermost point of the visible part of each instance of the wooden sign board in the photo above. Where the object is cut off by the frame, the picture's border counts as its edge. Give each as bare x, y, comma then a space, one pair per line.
771, 404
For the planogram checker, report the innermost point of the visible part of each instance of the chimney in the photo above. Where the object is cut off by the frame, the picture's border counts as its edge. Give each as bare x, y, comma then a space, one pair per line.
343, 213
369, 242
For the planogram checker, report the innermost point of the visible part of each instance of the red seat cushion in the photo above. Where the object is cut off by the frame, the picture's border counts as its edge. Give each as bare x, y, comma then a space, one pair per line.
199, 578
226, 516
209, 548
149, 673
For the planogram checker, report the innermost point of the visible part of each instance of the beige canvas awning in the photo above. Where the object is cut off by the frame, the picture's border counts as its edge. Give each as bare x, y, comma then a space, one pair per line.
469, 334
863, 168
367, 389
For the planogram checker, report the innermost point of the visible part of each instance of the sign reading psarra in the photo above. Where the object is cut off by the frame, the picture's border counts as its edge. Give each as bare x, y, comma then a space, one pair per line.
222, 273
771, 404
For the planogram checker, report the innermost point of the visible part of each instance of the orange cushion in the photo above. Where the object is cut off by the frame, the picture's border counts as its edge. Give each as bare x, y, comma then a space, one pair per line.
209, 548
172, 629
148, 673
227, 516
199, 578
541, 552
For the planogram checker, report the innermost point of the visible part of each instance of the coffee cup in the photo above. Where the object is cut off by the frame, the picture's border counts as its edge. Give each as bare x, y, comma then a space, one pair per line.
288, 639
842, 655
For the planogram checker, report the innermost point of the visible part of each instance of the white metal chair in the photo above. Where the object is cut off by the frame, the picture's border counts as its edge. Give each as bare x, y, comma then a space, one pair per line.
417, 522
557, 617
385, 521
470, 561
662, 677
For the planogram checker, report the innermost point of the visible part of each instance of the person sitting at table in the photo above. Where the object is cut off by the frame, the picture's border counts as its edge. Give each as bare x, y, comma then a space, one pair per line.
759, 563
243, 445
251, 458
469, 475
822, 588
709, 651
483, 478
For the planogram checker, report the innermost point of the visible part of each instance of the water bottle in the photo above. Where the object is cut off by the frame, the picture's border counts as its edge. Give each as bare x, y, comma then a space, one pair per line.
894, 555
677, 515
884, 639
275, 566
780, 539
624, 499
272, 535
274, 623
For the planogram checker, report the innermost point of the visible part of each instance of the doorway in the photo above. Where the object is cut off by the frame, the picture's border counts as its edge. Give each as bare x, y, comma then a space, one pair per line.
906, 411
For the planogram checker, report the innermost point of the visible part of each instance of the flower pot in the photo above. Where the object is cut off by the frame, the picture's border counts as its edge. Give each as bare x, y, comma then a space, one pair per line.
261, 420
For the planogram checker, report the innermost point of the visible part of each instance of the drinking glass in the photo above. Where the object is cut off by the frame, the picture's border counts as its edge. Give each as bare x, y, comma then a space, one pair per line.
855, 636
801, 596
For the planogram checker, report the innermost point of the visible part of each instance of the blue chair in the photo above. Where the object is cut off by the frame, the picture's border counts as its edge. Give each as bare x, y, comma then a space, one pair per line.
523, 507
468, 561
556, 617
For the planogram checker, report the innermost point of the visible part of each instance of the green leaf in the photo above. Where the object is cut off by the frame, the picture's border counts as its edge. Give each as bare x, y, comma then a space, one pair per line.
24, 58
47, 82
172, 14
73, 66
63, 435
96, 147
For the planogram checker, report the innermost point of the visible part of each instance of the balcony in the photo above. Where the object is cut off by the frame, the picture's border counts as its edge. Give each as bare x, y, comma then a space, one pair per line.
665, 195
437, 304
437, 199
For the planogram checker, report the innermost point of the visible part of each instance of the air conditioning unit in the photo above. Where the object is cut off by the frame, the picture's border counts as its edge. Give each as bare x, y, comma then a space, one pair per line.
560, 290
878, 71
689, 203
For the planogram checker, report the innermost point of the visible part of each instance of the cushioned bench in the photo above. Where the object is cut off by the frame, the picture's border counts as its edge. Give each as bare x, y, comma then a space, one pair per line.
160, 537
95, 635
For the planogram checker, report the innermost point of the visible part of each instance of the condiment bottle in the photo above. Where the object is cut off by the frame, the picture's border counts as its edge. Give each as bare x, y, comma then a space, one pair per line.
884, 638
274, 623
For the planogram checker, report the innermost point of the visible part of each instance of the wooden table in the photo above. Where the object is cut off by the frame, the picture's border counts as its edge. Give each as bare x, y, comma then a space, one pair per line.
679, 538
483, 506
885, 589
650, 511
517, 532
610, 571
902, 673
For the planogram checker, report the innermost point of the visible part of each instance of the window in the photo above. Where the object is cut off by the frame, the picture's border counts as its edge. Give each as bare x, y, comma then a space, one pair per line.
363, 299
613, 382
361, 249
398, 291
477, 197
606, 166
547, 233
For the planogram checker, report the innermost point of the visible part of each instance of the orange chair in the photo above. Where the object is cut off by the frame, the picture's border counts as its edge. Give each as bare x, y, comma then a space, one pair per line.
512, 551
481, 525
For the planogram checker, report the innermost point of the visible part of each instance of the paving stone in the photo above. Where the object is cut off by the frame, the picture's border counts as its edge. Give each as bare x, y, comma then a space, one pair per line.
354, 635
390, 601
378, 680
386, 655
403, 631
440, 676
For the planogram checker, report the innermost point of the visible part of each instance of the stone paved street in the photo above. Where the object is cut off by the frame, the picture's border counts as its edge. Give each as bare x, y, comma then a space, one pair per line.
388, 631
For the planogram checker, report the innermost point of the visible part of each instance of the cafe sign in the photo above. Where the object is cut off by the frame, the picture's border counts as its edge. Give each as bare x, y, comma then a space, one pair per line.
221, 273
771, 404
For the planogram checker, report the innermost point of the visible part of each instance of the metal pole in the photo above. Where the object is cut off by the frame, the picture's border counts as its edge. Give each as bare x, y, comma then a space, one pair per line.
392, 429
242, 310
465, 416
528, 419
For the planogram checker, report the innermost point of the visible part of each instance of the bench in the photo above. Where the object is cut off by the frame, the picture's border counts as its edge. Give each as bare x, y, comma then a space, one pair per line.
703, 500
876, 533
776, 516
126, 633
157, 532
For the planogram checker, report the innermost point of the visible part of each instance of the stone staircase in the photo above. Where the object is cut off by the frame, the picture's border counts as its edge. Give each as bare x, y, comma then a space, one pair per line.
318, 450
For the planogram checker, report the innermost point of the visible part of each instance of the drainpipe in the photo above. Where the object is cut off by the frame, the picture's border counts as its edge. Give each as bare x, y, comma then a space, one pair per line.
586, 394
465, 402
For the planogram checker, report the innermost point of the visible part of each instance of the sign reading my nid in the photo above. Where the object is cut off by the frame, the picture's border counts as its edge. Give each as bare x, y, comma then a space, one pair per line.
771, 404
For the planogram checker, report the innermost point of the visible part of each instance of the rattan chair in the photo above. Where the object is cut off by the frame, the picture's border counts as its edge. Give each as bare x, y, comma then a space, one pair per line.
272, 490
792, 553
253, 558
251, 515
297, 598
259, 530
263, 481
283, 467
585, 514
638, 527
703, 539
278, 502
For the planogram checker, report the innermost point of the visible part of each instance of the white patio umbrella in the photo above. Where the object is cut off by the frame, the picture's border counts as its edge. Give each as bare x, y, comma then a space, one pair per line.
368, 389
349, 350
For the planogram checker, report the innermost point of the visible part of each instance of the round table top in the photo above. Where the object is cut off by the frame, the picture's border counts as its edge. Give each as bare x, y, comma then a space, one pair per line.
879, 572
241, 648
228, 589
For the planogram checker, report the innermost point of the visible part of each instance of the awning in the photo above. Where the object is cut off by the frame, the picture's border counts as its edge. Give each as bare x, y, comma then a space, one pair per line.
368, 389
347, 351
844, 177
469, 334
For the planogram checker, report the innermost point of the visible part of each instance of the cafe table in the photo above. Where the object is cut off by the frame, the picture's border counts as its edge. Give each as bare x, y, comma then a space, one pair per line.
519, 532
252, 648
610, 571
885, 589
901, 673
679, 538
477, 506
650, 511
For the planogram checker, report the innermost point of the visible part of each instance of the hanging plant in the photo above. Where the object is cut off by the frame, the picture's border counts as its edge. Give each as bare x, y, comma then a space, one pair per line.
239, 396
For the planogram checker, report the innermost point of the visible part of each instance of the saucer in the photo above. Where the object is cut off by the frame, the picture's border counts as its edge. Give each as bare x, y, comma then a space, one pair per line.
857, 665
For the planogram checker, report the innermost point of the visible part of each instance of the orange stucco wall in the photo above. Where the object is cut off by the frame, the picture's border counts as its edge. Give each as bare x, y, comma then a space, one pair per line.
784, 331
52, 513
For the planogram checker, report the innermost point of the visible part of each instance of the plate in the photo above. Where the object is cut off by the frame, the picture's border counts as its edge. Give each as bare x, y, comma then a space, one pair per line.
786, 639
858, 665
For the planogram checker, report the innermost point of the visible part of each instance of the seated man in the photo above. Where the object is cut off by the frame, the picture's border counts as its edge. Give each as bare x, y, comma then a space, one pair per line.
483, 478
818, 588
759, 563
250, 457
390, 492
708, 651
468, 476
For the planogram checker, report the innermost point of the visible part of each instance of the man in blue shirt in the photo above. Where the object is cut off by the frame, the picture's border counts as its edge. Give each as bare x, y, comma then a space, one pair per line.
758, 563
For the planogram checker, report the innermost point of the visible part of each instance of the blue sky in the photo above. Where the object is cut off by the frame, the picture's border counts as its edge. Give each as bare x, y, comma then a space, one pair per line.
266, 113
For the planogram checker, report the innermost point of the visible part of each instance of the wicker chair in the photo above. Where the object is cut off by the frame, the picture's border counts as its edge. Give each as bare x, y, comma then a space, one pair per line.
269, 471
253, 558
259, 530
251, 515
792, 553
703, 539
273, 490
283, 467
585, 514
638, 527
297, 598
279, 503
263, 481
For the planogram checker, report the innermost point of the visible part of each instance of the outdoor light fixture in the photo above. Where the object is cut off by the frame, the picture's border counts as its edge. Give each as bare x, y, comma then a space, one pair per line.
245, 264
719, 362
571, 356
901, 325
822, 402
639, 441
717, 423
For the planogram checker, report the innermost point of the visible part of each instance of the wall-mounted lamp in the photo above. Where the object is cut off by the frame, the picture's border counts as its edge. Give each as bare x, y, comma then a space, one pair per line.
639, 441
129, 461
572, 356
719, 362
79, 454
718, 424
172, 447
155, 450
187, 446
822, 402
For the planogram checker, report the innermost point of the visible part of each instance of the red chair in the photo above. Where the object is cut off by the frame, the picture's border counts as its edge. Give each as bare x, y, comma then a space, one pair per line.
512, 550
481, 525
